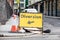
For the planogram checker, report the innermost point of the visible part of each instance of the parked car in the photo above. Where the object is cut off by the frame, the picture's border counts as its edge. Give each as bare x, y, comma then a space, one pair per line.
30, 10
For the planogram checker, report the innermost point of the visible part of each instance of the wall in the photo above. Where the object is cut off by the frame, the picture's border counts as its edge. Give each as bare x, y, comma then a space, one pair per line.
33, 1
5, 11
58, 8
52, 8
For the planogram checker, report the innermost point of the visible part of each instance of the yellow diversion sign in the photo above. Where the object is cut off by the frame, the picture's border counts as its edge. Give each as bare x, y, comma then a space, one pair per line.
31, 20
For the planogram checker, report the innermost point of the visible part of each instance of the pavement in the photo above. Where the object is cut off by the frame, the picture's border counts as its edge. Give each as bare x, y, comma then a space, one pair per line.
9, 34
9, 23
41, 37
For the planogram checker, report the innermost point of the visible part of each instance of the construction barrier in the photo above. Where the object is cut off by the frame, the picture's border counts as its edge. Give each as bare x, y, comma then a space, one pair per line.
31, 20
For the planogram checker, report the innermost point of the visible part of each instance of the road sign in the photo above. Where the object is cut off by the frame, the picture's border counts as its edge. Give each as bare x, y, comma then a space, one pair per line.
31, 20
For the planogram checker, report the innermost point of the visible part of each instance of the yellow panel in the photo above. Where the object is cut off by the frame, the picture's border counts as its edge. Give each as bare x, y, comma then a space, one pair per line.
31, 20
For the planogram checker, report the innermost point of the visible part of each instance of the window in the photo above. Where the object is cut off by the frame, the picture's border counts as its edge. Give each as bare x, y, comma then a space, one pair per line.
22, 0
15, 6
29, 2
21, 4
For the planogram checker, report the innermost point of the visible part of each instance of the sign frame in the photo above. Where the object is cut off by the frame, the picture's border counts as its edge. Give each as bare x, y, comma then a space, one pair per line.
31, 27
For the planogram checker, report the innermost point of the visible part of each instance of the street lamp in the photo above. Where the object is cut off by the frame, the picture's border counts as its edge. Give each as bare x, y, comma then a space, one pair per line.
18, 2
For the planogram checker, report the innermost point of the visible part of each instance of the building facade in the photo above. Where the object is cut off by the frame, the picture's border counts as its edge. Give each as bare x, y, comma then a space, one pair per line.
35, 4
22, 4
52, 7
47, 7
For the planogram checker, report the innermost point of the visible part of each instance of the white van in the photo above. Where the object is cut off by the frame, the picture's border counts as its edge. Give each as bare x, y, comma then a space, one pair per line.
30, 10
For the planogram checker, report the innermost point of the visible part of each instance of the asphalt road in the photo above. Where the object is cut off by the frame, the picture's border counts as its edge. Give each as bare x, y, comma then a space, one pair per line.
53, 24
43, 37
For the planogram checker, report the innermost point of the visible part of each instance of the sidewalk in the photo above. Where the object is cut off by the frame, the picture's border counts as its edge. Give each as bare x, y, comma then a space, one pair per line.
9, 34
52, 17
9, 23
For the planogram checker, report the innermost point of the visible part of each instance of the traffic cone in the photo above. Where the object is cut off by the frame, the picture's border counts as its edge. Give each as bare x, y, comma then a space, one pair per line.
13, 28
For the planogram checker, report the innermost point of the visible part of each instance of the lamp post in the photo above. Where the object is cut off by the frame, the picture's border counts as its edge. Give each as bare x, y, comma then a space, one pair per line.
18, 2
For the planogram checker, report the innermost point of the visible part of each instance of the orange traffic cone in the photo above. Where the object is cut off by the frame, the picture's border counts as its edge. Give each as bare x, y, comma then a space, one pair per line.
13, 28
